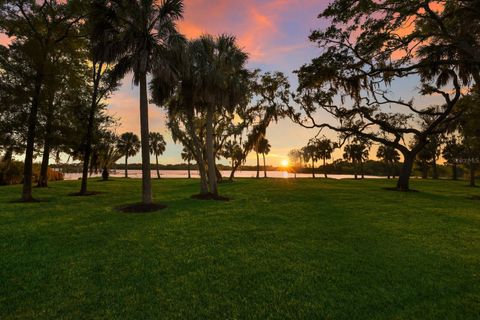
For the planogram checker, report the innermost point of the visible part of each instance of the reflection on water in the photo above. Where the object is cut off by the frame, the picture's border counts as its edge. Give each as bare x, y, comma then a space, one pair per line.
172, 174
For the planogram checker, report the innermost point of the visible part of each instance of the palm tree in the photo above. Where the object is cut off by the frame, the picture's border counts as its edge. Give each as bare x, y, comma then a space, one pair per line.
324, 151
157, 147
357, 153
105, 154
141, 32
128, 145
310, 153
390, 156
264, 148
188, 156
221, 70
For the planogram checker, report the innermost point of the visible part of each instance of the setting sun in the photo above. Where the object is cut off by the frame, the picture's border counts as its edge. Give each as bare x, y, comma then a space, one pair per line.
284, 163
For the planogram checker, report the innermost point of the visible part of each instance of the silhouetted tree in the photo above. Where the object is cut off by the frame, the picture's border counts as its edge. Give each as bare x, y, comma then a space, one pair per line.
370, 45
139, 34
128, 145
157, 147
390, 156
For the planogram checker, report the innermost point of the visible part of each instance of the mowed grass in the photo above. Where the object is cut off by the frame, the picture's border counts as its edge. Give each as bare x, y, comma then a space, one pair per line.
281, 249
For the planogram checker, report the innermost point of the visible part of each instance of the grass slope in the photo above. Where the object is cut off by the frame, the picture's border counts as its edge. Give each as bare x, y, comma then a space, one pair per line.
280, 249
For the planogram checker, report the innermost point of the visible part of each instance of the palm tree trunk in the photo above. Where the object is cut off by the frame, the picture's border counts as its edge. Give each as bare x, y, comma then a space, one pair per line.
188, 168
126, 166
258, 165
158, 170
212, 175
313, 169
144, 133
355, 169
198, 151
325, 167
454, 172
264, 166
32, 124
361, 169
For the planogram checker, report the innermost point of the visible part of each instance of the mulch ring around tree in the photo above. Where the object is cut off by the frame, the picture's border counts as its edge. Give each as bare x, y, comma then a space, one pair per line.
141, 208
209, 196
86, 194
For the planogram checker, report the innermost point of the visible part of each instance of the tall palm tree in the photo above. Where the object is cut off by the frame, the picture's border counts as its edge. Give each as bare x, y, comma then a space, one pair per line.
188, 156
264, 148
324, 151
390, 156
128, 145
157, 147
141, 32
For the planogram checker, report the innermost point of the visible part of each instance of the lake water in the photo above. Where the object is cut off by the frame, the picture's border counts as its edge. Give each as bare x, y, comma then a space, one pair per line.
172, 174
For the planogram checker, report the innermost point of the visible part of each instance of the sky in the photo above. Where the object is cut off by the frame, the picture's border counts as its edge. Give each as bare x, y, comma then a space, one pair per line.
273, 32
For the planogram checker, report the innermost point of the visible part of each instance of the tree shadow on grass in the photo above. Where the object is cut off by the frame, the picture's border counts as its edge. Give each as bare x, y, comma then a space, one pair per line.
28, 201
86, 194
209, 196
141, 208
399, 190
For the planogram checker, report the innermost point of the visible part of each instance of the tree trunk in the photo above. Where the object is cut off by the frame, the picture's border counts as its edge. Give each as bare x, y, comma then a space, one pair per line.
389, 170
105, 174
424, 170
32, 124
264, 166
144, 132
218, 174
188, 168
198, 152
158, 170
325, 167
454, 172
258, 165
355, 170
435, 171
472, 175
43, 177
91, 119
126, 166
313, 169
403, 182
212, 178
361, 169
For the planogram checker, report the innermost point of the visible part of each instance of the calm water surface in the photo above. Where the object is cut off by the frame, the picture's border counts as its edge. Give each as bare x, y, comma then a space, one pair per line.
172, 174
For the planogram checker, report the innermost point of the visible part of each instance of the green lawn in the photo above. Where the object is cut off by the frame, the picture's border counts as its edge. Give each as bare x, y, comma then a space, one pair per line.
280, 249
